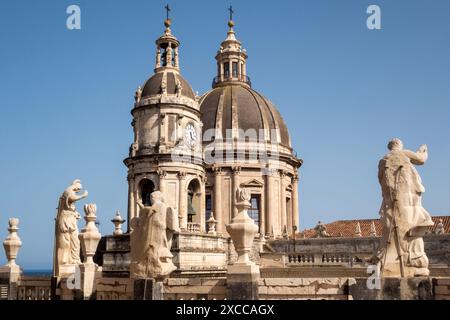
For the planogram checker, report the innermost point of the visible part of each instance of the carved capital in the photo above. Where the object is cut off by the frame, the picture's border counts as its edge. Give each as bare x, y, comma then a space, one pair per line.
162, 173
217, 170
181, 175
236, 170
295, 178
271, 171
204, 178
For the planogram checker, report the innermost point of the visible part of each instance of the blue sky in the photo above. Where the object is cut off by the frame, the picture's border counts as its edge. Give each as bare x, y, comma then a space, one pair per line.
342, 89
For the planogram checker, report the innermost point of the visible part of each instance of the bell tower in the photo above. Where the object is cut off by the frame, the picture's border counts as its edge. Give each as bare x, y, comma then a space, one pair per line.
166, 153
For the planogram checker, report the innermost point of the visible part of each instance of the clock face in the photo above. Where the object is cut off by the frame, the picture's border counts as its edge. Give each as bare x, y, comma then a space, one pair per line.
190, 134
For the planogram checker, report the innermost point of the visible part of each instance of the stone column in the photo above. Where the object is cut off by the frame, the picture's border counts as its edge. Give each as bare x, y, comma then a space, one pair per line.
230, 66
221, 71
240, 69
270, 203
218, 199
162, 183
283, 221
163, 130
262, 215
295, 212
176, 58
131, 202
235, 185
158, 57
182, 204
202, 204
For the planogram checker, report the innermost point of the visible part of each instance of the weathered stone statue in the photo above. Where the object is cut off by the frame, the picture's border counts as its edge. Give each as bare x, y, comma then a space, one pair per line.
321, 230
440, 227
404, 219
138, 94
67, 244
178, 87
151, 239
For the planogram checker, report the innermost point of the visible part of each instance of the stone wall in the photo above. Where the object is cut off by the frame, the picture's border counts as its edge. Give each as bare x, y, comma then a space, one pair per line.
304, 289
195, 289
114, 289
441, 289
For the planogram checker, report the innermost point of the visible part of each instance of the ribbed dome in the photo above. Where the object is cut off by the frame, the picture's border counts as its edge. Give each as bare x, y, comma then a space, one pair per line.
240, 107
153, 85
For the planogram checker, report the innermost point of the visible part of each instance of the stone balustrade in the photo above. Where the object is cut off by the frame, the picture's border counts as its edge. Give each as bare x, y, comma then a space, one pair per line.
343, 259
300, 258
193, 227
34, 289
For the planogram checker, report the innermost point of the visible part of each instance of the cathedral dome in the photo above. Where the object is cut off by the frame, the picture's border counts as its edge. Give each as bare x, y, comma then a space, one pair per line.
233, 105
236, 106
153, 85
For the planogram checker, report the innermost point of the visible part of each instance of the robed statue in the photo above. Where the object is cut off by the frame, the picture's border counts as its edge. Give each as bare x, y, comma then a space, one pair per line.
151, 239
67, 243
404, 220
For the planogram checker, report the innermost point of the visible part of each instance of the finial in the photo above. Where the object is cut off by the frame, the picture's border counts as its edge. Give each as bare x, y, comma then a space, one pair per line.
230, 22
167, 22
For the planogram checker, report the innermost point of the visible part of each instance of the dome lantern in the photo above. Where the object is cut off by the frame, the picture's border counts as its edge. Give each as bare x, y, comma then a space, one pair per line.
231, 59
167, 48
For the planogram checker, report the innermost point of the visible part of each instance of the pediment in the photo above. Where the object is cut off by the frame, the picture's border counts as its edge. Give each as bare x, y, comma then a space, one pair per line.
252, 183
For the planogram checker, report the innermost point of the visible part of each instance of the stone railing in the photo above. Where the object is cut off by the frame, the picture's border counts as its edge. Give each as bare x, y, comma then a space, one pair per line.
343, 259
34, 288
193, 227
300, 258
4, 290
350, 252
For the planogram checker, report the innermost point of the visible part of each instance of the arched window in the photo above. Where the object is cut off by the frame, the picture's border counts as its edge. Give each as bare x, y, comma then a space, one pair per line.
226, 69
235, 69
146, 188
208, 209
193, 205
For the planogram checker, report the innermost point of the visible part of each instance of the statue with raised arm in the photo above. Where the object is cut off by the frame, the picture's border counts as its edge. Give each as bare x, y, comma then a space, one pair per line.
404, 220
67, 244
151, 239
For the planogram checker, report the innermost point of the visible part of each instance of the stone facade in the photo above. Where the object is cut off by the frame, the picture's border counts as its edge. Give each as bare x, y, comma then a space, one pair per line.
199, 170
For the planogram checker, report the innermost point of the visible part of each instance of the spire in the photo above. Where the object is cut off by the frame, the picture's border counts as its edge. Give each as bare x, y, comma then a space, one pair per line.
167, 48
231, 59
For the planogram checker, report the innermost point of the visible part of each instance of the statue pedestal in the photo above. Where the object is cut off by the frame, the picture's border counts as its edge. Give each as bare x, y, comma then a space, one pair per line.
88, 275
418, 288
10, 275
66, 270
242, 281
148, 289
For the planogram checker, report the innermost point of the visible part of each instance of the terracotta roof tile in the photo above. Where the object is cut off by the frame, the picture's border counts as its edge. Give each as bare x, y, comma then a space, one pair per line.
347, 228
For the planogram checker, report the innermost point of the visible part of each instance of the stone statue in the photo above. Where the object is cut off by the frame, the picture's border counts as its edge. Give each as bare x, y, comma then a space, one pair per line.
67, 244
178, 87
164, 85
321, 230
138, 94
151, 239
403, 218
440, 227
169, 56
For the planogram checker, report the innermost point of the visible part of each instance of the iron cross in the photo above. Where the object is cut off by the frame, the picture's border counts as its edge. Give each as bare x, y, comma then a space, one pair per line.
167, 11
231, 13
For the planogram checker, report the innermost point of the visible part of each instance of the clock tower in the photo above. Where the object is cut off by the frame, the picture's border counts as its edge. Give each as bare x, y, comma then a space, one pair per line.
166, 153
